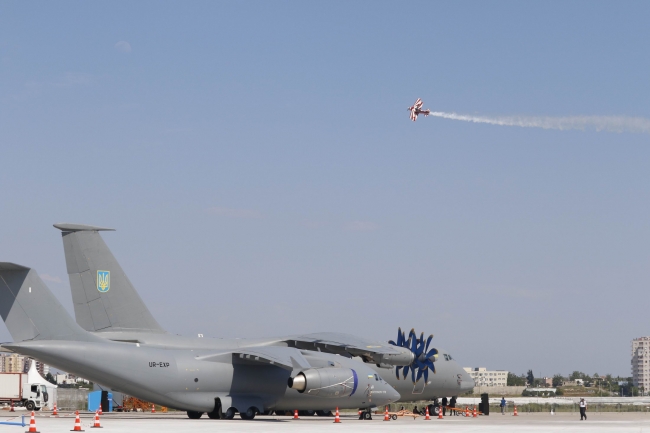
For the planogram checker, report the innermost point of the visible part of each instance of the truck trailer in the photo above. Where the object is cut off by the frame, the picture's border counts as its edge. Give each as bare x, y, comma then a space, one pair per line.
14, 388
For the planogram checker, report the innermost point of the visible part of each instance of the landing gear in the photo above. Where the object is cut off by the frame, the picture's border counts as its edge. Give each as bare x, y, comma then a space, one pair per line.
216, 413
249, 414
365, 414
324, 412
230, 413
194, 415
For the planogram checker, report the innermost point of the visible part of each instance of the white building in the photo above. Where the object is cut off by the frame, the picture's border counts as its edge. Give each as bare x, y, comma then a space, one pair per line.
484, 377
640, 366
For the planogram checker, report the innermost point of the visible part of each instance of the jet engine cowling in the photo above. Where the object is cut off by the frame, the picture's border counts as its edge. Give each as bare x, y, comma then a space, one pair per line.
326, 382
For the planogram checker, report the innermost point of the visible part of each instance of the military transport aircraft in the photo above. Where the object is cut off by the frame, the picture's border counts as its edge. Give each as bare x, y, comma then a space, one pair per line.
118, 313
416, 109
217, 376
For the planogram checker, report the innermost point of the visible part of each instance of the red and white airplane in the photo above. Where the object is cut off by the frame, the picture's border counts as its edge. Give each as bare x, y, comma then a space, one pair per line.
417, 109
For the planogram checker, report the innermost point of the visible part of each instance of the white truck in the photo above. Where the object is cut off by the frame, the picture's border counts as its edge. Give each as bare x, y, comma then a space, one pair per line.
15, 388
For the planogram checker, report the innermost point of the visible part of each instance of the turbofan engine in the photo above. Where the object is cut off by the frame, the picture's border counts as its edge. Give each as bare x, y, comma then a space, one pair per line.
326, 382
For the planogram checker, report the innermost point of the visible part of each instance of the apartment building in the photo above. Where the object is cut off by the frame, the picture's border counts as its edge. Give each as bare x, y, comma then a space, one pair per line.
484, 377
640, 366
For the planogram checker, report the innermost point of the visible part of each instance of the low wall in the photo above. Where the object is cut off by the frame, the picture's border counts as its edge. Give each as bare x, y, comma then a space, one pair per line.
495, 391
71, 399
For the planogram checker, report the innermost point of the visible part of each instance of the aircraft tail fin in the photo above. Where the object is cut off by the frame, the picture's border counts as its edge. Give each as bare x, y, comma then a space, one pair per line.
30, 310
104, 298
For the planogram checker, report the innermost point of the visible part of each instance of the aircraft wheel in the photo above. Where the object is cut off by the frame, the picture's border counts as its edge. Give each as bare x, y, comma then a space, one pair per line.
324, 412
310, 412
367, 416
230, 413
214, 415
194, 415
249, 414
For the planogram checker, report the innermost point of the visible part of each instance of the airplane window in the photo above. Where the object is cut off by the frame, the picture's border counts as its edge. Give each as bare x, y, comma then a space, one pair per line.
376, 377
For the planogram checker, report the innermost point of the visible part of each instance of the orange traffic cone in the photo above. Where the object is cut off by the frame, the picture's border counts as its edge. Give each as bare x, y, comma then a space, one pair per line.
32, 425
337, 417
153, 408
386, 416
466, 412
474, 414
55, 412
515, 413
97, 424
12, 407
100, 410
440, 412
295, 414
426, 414
77, 423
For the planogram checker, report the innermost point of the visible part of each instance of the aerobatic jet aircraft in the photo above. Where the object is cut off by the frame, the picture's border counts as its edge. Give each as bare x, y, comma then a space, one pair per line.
312, 372
416, 109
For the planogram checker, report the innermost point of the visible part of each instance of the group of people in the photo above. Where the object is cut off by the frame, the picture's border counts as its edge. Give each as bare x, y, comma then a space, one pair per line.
503, 405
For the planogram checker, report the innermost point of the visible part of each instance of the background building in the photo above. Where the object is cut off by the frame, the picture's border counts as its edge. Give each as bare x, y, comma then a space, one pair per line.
640, 368
13, 363
484, 377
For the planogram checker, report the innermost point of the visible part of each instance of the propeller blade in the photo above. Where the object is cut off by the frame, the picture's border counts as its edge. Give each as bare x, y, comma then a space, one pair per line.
414, 345
428, 342
406, 371
421, 337
400, 336
392, 342
429, 364
431, 353
413, 375
420, 372
397, 369
412, 334
426, 375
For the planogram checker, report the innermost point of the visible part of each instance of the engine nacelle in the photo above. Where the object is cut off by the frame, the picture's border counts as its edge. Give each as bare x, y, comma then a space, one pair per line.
326, 382
405, 357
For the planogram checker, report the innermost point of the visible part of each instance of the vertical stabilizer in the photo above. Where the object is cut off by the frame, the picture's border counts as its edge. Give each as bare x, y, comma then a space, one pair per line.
104, 299
30, 310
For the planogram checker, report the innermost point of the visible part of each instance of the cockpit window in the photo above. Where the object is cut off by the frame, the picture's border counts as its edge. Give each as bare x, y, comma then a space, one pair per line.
447, 357
376, 377
450, 358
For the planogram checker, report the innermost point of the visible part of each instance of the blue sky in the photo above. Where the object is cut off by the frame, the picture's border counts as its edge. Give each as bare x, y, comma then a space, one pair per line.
259, 166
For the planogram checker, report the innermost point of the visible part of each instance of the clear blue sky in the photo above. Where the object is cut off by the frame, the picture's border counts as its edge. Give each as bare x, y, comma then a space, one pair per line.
258, 163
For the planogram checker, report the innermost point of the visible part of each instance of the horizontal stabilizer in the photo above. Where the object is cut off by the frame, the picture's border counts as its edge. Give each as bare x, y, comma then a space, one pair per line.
30, 310
66, 227
284, 357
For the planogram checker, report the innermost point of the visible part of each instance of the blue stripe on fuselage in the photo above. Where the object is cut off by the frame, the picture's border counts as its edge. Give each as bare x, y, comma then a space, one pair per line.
356, 382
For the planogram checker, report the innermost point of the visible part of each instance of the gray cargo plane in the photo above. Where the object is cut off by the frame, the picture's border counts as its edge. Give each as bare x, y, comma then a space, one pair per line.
322, 370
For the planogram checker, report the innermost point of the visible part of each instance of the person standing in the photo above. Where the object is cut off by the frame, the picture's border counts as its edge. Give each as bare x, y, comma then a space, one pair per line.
503, 405
583, 409
444, 406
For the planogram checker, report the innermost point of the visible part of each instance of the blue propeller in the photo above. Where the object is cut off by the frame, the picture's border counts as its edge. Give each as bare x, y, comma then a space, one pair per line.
423, 358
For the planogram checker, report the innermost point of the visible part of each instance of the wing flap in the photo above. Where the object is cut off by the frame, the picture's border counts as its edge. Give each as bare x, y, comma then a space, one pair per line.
284, 357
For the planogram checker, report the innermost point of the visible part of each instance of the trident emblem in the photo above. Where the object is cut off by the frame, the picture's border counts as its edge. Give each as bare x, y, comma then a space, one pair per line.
103, 281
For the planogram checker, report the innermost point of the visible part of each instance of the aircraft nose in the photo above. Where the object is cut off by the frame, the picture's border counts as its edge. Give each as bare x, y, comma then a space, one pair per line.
387, 395
467, 383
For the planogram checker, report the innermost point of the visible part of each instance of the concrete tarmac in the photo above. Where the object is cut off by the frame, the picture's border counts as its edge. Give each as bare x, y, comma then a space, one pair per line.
178, 422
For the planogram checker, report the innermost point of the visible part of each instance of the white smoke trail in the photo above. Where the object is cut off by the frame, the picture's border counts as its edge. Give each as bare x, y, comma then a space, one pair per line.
599, 123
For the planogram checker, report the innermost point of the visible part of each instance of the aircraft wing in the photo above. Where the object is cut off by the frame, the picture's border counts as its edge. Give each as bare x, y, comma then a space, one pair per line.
284, 357
350, 345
